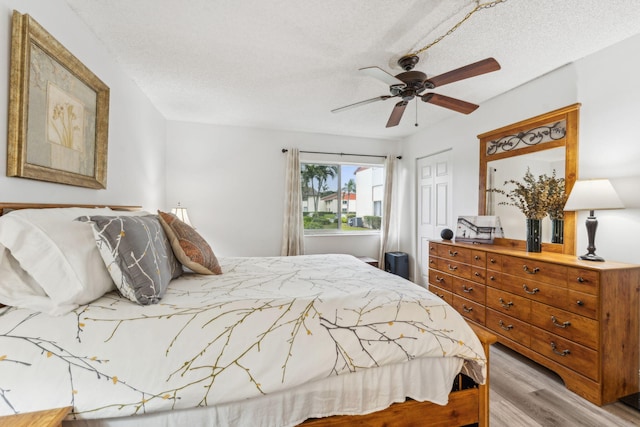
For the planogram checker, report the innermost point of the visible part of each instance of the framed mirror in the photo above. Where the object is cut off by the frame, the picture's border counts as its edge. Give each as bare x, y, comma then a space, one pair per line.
544, 144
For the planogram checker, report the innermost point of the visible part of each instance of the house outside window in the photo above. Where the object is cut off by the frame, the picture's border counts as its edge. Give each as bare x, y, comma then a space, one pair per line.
341, 198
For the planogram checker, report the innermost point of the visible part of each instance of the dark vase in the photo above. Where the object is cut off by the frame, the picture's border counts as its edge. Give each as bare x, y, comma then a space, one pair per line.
557, 230
534, 235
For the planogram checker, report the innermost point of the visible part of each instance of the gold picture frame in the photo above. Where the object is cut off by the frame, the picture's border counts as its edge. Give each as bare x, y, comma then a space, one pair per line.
58, 111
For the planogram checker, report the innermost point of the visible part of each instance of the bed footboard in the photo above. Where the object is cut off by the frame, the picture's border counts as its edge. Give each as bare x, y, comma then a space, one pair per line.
467, 405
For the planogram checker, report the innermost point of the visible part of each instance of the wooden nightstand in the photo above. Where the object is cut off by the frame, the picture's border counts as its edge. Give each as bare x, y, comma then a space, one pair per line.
369, 260
46, 418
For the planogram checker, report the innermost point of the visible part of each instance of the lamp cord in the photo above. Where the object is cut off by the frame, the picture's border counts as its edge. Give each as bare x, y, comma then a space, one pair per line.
479, 6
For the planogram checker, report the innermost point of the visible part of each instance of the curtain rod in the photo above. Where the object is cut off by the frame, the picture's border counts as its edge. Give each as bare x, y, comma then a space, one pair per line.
284, 150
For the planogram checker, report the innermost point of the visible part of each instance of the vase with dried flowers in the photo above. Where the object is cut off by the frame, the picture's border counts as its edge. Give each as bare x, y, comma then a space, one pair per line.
531, 196
557, 198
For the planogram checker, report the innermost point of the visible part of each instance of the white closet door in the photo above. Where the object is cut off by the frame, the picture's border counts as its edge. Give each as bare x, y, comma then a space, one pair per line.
434, 199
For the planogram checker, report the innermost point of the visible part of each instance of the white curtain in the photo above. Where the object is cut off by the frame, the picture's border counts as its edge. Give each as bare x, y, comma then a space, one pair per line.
292, 227
388, 216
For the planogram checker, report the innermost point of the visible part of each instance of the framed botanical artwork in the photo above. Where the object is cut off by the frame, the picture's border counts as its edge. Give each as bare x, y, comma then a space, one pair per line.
58, 111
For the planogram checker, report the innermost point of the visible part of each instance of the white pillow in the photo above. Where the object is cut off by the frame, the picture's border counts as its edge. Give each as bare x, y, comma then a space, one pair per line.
58, 253
18, 289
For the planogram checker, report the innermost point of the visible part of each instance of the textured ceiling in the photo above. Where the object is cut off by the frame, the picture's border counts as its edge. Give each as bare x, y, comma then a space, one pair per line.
284, 64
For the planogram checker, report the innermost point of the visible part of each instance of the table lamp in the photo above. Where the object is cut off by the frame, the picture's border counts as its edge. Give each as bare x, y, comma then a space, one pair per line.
182, 214
590, 195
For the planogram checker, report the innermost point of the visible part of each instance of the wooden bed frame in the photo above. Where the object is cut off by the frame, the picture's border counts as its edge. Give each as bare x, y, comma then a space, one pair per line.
467, 406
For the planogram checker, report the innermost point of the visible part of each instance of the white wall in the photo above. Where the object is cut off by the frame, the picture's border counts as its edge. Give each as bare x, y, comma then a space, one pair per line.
136, 157
222, 173
606, 85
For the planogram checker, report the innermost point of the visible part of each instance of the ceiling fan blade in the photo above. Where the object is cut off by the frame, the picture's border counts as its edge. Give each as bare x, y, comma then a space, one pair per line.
454, 104
477, 68
396, 114
357, 104
382, 75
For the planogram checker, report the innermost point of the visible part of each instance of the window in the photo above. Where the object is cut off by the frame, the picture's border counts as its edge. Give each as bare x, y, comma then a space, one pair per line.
341, 198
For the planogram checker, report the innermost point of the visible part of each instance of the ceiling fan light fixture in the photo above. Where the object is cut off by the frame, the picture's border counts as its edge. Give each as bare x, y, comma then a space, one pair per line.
407, 62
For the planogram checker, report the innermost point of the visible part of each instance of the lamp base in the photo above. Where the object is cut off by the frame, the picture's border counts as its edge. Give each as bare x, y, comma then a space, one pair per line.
591, 257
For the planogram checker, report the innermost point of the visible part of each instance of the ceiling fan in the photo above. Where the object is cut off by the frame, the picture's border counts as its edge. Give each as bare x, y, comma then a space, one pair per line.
411, 84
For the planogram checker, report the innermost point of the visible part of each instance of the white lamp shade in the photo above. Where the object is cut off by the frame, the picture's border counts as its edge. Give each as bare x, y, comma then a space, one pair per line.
181, 213
593, 194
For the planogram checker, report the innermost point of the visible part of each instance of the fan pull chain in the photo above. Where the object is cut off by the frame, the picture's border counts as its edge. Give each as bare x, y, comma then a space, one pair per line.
479, 6
416, 113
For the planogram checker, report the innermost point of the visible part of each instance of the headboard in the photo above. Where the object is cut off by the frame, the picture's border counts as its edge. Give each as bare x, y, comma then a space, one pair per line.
8, 207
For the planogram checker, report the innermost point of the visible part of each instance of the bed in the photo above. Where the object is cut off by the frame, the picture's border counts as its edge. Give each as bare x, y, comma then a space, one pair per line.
316, 340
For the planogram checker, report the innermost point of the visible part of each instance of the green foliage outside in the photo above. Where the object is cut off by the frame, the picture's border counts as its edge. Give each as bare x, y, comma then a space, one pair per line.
328, 221
319, 220
372, 221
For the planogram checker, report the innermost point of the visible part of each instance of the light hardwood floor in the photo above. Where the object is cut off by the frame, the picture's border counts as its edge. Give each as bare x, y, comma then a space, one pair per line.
525, 394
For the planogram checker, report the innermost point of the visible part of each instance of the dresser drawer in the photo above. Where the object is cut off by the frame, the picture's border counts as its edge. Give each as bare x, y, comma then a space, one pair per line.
575, 356
433, 262
468, 289
509, 327
453, 253
434, 248
508, 303
583, 280
478, 274
582, 304
537, 291
494, 262
441, 280
444, 294
469, 309
568, 325
479, 259
455, 268
532, 269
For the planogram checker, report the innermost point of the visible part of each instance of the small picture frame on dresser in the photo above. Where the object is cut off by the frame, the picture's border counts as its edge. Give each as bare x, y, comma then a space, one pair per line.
478, 229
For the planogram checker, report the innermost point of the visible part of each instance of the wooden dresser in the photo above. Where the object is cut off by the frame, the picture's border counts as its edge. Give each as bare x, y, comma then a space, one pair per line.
577, 318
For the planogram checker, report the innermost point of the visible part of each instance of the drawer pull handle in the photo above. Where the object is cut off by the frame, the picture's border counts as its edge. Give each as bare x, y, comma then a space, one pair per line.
492, 261
562, 353
581, 279
440, 295
530, 271
580, 303
467, 309
452, 267
476, 274
506, 305
465, 289
477, 258
492, 278
505, 327
559, 325
439, 279
530, 292
453, 253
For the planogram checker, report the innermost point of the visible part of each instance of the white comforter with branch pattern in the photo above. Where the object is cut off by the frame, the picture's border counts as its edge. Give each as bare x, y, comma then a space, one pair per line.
265, 325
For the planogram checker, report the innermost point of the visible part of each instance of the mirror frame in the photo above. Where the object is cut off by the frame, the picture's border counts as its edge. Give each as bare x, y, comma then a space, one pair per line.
515, 131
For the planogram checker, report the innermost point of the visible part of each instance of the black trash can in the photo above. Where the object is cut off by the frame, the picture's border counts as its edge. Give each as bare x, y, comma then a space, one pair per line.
397, 263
